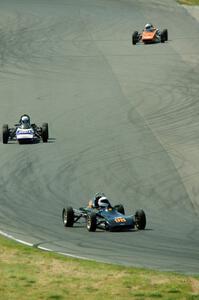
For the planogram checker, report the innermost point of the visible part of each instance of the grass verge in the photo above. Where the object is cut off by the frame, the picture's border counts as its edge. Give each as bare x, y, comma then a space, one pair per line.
29, 273
189, 2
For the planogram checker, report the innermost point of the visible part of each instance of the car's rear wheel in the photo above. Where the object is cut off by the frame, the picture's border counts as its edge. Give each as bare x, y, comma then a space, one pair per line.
5, 133
44, 133
120, 208
91, 222
68, 216
140, 219
135, 37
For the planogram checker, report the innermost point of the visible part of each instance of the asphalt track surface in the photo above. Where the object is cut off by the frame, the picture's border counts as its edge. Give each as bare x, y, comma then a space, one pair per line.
123, 119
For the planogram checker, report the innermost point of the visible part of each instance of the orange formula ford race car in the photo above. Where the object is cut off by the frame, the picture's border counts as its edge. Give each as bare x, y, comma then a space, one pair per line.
149, 35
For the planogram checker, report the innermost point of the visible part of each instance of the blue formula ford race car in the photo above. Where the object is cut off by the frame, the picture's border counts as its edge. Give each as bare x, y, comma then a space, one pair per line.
100, 214
25, 132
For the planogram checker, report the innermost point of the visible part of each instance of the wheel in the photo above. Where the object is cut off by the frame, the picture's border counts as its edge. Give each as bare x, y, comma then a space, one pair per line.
140, 219
135, 37
68, 217
162, 37
5, 133
91, 222
120, 208
165, 34
44, 133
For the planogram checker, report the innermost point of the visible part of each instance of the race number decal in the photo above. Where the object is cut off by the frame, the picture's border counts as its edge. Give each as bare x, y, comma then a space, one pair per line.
120, 220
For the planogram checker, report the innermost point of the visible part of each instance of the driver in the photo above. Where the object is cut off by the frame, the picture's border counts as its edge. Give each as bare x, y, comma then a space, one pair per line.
149, 27
24, 120
103, 202
99, 201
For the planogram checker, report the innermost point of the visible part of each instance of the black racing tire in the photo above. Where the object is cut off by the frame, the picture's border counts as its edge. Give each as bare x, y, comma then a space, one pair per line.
91, 222
68, 216
44, 133
165, 34
135, 37
5, 133
140, 219
162, 37
120, 208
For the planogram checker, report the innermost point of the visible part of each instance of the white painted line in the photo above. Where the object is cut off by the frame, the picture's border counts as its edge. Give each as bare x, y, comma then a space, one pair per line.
45, 249
73, 255
18, 240
23, 242
41, 248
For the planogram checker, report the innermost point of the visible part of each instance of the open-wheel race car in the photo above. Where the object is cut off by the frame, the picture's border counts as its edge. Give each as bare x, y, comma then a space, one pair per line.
149, 35
99, 214
25, 132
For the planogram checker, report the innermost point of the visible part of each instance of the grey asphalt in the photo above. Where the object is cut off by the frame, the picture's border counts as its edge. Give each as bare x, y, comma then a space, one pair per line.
123, 119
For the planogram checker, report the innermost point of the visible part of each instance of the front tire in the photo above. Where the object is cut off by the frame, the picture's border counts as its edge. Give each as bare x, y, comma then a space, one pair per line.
68, 217
91, 222
165, 34
5, 133
162, 38
44, 133
135, 38
140, 219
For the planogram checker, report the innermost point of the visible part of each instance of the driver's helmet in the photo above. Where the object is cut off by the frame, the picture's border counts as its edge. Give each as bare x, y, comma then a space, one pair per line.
148, 27
103, 202
97, 197
25, 121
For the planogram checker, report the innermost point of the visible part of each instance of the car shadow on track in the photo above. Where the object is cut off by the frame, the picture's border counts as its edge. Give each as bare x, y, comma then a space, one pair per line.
51, 140
12, 142
98, 230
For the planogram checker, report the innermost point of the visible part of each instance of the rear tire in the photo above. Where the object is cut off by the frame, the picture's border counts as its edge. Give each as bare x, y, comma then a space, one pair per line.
44, 133
140, 219
68, 217
135, 37
5, 133
91, 222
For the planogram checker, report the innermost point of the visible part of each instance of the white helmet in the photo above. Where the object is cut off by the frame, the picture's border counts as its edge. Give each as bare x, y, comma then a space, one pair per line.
24, 120
148, 26
103, 202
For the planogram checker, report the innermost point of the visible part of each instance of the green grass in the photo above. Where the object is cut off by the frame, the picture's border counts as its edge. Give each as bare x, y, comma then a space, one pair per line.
29, 273
189, 2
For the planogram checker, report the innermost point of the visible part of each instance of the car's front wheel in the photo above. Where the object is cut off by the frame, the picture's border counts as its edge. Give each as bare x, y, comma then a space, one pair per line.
44, 133
135, 37
162, 38
140, 219
91, 222
165, 34
68, 217
5, 133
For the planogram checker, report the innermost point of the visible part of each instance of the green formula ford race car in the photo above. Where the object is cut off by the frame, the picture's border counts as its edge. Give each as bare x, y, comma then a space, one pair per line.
99, 214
